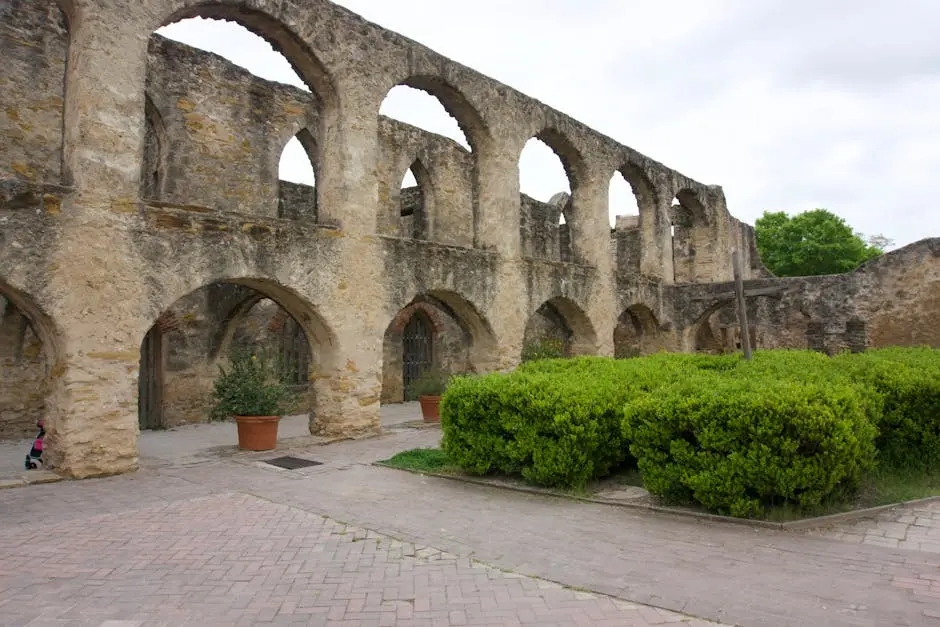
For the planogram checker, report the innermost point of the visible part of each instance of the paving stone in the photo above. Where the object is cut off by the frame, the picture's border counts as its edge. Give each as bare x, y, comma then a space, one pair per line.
147, 545
127, 568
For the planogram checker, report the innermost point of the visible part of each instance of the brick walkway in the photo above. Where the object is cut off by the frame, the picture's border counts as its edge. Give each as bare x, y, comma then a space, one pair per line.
173, 510
915, 528
235, 559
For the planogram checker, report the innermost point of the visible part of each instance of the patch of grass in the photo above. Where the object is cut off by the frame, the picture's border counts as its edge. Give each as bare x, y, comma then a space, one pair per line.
885, 485
892, 484
423, 460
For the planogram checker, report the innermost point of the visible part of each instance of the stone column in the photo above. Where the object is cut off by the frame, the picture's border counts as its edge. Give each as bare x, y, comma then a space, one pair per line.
497, 230
95, 287
348, 384
591, 245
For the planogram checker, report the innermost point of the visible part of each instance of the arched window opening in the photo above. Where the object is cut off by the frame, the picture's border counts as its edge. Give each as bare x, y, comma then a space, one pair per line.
425, 111
691, 239
545, 203
208, 67
235, 43
623, 205
297, 196
413, 202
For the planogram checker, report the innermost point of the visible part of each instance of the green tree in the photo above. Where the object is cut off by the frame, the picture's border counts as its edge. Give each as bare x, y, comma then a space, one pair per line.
812, 243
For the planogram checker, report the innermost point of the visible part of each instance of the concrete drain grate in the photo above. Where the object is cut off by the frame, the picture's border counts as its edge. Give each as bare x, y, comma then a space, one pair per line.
292, 463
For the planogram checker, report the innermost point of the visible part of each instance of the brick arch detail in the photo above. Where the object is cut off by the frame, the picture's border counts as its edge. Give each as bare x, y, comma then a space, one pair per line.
401, 320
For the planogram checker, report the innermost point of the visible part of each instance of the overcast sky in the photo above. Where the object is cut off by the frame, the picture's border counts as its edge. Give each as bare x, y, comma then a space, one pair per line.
787, 104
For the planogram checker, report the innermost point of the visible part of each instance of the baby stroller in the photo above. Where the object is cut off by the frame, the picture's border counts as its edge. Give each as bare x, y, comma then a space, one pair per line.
34, 459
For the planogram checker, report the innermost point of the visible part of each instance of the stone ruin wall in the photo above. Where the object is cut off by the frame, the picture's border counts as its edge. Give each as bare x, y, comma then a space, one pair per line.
893, 300
24, 370
117, 203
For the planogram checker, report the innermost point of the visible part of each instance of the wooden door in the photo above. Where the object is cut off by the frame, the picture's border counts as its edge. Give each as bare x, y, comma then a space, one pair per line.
150, 382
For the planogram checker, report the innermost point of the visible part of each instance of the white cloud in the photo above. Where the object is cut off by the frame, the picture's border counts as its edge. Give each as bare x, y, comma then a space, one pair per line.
789, 105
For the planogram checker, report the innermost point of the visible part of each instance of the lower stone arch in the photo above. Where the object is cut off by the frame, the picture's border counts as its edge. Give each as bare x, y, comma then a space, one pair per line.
637, 332
29, 358
192, 335
718, 336
562, 321
462, 340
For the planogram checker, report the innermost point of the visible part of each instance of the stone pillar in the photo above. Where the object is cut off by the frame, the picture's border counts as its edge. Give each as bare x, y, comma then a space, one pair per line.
347, 394
656, 257
497, 211
95, 288
91, 415
347, 386
347, 183
591, 247
498, 216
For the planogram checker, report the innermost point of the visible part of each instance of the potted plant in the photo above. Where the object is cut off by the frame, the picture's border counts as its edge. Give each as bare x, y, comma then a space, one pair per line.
428, 388
253, 391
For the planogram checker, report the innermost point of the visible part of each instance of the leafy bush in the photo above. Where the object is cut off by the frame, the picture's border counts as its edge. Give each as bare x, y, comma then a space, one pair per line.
907, 382
794, 427
252, 385
432, 382
553, 431
738, 444
556, 422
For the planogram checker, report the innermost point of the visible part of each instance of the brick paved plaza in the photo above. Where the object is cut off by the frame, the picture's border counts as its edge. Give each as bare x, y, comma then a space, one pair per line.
220, 539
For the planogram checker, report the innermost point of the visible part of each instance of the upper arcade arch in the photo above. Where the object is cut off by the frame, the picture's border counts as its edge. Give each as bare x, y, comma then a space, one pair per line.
266, 20
552, 226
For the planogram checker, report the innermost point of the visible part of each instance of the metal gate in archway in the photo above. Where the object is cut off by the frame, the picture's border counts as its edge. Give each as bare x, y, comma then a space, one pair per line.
417, 351
150, 382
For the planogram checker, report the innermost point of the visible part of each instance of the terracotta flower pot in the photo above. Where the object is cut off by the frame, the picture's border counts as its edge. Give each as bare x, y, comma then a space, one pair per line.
257, 433
430, 408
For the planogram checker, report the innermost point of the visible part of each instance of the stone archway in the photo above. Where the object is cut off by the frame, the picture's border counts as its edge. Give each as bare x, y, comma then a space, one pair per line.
29, 358
637, 333
447, 333
560, 324
181, 352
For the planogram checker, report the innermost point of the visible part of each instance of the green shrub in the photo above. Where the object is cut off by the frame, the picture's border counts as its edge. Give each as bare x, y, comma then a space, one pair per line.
556, 422
431, 382
254, 384
907, 381
553, 431
738, 444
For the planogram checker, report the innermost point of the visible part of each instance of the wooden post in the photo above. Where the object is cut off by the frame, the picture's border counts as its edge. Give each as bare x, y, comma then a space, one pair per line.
742, 305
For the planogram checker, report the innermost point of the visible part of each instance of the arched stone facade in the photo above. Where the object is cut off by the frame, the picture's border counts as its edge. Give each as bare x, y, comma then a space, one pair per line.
116, 203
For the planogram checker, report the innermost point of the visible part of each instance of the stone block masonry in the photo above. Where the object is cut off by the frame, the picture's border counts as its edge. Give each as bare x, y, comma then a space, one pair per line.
119, 204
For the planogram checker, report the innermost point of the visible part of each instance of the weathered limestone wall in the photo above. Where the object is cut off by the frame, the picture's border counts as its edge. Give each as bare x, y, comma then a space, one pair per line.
443, 170
221, 129
24, 374
893, 300
170, 159
34, 41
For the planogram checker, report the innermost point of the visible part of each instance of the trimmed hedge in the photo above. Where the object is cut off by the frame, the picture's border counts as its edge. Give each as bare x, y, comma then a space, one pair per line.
907, 382
736, 445
555, 422
554, 431
732, 435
